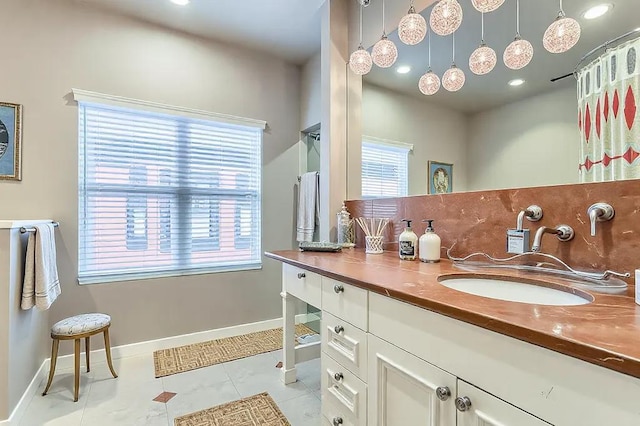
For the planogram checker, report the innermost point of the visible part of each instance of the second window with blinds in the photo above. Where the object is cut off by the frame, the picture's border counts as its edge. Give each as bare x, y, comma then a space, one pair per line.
163, 194
385, 168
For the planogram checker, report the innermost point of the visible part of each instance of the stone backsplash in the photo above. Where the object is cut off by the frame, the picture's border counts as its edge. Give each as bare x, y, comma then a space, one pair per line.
478, 221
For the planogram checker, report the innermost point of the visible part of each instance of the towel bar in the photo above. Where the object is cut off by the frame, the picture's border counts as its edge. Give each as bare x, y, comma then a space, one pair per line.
24, 230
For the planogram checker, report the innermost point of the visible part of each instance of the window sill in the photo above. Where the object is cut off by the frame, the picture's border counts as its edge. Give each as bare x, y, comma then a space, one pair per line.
111, 278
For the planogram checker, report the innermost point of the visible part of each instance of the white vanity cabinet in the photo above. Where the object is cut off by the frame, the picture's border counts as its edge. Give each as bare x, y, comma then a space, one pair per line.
407, 390
345, 318
389, 363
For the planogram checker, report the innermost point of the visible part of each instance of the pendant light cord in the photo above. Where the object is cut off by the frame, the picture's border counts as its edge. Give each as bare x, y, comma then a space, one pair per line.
454, 48
482, 28
361, 8
384, 32
518, 18
429, 41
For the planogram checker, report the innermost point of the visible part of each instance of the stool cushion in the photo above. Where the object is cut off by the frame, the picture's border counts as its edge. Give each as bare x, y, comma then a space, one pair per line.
81, 324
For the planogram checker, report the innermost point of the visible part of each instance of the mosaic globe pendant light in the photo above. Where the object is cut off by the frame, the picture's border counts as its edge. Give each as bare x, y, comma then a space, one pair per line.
384, 52
446, 17
429, 83
562, 34
360, 61
520, 52
486, 6
484, 59
413, 27
454, 78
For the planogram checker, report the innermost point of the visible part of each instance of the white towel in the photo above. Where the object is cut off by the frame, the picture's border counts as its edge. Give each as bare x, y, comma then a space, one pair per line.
308, 206
41, 285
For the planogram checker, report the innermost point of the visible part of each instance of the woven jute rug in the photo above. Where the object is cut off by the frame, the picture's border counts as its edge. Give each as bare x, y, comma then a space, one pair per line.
257, 410
205, 354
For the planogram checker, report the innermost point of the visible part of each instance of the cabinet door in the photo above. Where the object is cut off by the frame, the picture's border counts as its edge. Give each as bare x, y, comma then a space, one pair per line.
487, 410
405, 390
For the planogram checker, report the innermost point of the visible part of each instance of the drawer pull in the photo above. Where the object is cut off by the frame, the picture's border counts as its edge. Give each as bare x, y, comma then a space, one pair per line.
301, 275
338, 377
463, 403
443, 393
337, 421
338, 329
338, 288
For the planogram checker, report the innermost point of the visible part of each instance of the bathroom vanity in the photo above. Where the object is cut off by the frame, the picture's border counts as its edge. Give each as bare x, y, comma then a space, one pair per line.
400, 348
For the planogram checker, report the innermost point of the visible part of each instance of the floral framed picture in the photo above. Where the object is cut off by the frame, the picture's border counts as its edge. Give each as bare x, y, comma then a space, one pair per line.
439, 177
10, 140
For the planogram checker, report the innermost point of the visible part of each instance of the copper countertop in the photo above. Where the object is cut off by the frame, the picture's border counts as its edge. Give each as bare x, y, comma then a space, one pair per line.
605, 332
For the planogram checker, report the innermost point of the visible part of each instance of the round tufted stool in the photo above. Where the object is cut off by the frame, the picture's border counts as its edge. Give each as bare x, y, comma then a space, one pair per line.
75, 328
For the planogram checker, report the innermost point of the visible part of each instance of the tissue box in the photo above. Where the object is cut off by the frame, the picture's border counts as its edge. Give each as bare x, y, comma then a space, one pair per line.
638, 286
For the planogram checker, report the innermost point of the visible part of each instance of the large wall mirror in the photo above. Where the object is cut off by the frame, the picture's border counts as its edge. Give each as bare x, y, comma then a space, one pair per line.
495, 134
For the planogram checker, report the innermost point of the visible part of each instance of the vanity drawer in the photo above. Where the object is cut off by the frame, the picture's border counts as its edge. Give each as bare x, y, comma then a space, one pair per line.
302, 284
345, 343
346, 302
343, 394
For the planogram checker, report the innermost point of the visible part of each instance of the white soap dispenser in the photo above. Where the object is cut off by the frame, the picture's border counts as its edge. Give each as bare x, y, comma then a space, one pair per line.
407, 243
429, 244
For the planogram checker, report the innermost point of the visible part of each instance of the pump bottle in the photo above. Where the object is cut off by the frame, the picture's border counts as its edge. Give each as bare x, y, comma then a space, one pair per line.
429, 244
407, 243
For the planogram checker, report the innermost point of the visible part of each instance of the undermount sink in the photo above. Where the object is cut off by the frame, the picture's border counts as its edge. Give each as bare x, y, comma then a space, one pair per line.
513, 290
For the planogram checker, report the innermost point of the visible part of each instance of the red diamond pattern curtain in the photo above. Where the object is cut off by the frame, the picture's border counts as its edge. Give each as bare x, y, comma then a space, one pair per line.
608, 115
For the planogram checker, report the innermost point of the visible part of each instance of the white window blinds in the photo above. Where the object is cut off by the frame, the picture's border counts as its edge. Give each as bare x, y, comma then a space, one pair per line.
384, 170
163, 194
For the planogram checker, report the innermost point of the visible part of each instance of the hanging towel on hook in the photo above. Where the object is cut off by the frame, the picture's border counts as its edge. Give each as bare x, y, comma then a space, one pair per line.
308, 206
41, 285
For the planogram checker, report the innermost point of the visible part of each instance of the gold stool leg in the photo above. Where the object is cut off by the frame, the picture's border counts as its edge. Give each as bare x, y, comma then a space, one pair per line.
52, 367
107, 348
77, 370
86, 350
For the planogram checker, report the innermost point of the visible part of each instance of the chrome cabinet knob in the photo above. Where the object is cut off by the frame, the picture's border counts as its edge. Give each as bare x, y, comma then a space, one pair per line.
338, 288
463, 403
338, 377
443, 393
337, 421
338, 329
301, 275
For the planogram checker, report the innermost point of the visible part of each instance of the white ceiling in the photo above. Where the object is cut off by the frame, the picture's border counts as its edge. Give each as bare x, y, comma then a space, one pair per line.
481, 92
288, 29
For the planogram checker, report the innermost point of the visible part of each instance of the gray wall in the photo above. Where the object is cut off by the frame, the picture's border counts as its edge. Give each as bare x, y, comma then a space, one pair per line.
23, 334
437, 133
58, 45
533, 142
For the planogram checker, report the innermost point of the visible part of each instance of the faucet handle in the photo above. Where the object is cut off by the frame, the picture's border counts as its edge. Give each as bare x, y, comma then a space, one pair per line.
599, 212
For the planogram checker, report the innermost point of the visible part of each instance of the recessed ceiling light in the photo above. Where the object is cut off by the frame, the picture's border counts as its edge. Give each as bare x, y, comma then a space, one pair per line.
403, 69
516, 82
597, 11
180, 2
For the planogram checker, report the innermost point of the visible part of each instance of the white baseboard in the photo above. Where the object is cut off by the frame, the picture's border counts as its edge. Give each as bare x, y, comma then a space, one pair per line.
28, 394
144, 348
150, 346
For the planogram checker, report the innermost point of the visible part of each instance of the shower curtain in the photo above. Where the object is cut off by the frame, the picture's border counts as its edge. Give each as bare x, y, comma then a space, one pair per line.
608, 115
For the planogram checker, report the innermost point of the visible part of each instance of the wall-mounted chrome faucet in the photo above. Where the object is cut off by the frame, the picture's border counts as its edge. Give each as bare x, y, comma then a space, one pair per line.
563, 232
533, 213
599, 212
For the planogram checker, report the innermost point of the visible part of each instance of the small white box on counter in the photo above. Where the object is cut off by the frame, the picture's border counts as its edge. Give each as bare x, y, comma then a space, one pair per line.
638, 286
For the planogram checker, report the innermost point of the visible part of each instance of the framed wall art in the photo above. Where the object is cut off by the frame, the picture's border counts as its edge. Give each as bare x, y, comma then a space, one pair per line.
439, 177
10, 141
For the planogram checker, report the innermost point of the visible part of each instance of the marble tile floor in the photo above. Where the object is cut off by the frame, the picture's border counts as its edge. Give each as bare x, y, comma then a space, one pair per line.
128, 400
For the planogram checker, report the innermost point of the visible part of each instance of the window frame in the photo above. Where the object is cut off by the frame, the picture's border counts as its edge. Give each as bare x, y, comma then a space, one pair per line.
210, 243
390, 145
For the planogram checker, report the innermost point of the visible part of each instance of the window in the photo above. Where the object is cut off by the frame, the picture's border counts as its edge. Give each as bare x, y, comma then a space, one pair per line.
384, 168
165, 194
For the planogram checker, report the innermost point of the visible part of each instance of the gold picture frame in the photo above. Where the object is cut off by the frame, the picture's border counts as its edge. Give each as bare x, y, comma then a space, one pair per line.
10, 141
439, 177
